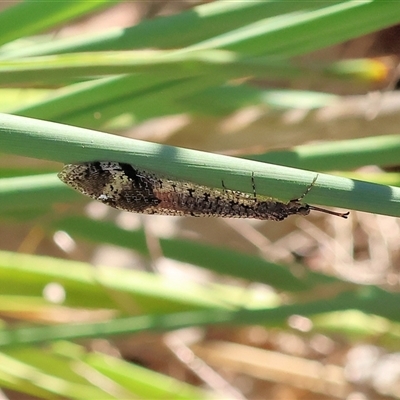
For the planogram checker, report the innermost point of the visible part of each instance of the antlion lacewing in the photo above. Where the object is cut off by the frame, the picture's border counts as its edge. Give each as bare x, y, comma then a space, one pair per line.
126, 188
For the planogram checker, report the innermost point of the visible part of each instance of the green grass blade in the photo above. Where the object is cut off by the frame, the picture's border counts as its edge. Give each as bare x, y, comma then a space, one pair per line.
302, 32
370, 300
158, 100
80, 100
339, 155
67, 371
199, 23
220, 260
45, 377
146, 384
142, 292
174, 64
30, 17
33, 138
137, 94
62, 68
239, 26
27, 192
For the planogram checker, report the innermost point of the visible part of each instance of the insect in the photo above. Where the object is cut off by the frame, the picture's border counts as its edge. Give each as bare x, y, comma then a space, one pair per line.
126, 188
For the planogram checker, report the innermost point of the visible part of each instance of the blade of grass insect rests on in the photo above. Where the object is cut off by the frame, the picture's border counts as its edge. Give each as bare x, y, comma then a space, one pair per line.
41, 139
339, 155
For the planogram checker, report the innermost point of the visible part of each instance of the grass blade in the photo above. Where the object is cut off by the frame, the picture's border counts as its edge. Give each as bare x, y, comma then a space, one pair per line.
33, 138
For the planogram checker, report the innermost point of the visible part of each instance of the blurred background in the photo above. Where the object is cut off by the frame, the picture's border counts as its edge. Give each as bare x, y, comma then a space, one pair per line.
312, 86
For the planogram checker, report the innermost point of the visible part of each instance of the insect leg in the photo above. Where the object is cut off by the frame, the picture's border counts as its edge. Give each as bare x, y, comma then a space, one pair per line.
223, 185
253, 184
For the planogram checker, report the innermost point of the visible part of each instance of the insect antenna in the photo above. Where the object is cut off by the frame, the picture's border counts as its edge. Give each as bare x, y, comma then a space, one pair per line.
324, 210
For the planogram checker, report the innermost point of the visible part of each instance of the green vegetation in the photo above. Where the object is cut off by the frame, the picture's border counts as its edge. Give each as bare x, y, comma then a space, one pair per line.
59, 96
